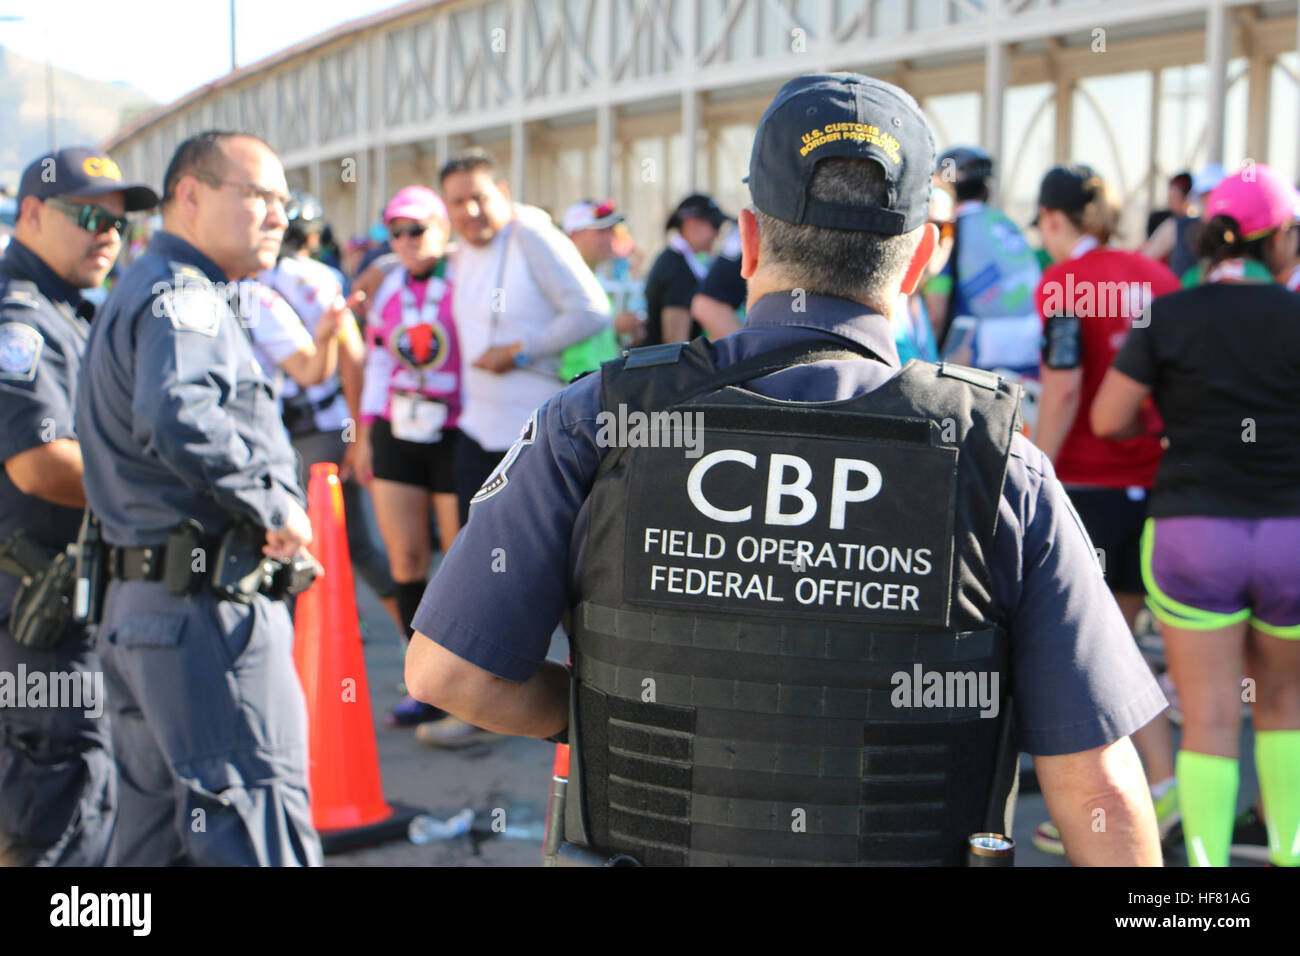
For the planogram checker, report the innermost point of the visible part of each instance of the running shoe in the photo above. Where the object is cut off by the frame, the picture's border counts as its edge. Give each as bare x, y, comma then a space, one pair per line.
1048, 839
410, 712
1249, 837
450, 733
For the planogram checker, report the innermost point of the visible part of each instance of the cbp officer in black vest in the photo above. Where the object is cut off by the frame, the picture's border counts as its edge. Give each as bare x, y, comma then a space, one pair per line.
57, 786
798, 632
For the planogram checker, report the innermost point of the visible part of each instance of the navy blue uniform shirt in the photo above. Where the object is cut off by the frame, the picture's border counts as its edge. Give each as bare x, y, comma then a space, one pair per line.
176, 417
42, 337
1078, 679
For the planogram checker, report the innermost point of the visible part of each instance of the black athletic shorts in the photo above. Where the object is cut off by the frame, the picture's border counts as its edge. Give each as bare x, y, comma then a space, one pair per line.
1114, 518
412, 463
472, 468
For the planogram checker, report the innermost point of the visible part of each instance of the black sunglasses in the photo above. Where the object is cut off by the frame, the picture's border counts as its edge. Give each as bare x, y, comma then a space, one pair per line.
414, 232
91, 218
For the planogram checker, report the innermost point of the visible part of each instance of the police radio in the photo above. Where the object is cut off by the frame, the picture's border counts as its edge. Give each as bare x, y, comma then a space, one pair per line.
92, 571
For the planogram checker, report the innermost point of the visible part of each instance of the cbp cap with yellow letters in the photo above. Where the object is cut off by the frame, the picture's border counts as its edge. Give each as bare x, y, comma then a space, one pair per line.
822, 115
81, 171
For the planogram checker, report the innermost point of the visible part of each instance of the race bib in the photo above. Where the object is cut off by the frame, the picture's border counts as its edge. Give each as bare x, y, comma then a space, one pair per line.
417, 419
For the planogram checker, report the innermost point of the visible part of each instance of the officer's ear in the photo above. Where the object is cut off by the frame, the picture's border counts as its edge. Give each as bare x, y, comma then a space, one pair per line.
29, 213
920, 258
748, 243
187, 196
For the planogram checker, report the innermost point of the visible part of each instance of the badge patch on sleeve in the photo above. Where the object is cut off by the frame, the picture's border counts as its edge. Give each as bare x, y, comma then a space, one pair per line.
498, 480
20, 351
194, 310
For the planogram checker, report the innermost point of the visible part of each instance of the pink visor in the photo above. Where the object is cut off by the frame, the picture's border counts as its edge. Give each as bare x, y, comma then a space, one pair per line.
1257, 196
415, 202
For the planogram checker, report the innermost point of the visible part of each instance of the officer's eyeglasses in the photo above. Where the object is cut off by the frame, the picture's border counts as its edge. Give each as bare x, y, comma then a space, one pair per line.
90, 218
252, 191
415, 232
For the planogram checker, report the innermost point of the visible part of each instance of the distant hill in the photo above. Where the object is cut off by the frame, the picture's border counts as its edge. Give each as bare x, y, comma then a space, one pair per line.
87, 111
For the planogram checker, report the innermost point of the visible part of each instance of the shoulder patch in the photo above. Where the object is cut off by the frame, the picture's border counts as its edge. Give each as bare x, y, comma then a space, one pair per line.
21, 298
20, 351
194, 310
498, 480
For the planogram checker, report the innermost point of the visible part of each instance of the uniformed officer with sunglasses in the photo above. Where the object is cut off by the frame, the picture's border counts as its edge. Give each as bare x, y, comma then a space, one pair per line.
57, 784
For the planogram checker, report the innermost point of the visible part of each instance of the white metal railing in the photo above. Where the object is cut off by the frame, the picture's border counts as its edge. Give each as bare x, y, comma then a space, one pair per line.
460, 66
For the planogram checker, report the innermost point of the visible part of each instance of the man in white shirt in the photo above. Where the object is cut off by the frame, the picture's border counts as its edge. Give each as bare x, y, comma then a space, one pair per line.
522, 296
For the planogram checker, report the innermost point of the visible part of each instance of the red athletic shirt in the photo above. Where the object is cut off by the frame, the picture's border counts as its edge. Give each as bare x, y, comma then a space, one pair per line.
1105, 289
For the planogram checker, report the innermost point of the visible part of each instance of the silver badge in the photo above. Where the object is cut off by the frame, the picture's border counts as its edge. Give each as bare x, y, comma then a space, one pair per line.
498, 480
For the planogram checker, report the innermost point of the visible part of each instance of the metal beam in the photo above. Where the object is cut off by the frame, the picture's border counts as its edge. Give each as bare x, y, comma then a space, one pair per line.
1217, 31
605, 149
690, 138
1153, 172
991, 103
518, 159
1063, 105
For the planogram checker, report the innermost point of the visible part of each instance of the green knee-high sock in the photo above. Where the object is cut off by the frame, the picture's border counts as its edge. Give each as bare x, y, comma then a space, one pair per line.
1207, 796
1277, 763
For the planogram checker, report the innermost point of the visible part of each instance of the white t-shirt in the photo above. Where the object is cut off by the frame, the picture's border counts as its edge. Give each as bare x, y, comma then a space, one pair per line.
548, 300
310, 287
274, 328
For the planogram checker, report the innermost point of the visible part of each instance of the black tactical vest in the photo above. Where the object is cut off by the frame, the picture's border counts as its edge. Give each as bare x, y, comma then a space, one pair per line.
784, 640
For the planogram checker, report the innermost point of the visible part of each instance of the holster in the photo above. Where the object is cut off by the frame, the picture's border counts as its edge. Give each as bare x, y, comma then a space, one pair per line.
184, 544
241, 569
43, 605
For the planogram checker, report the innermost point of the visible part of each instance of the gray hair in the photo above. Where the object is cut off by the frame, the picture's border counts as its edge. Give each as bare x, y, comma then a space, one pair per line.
838, 262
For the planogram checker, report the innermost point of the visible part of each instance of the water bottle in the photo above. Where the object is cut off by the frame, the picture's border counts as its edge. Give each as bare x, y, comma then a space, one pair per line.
426, 829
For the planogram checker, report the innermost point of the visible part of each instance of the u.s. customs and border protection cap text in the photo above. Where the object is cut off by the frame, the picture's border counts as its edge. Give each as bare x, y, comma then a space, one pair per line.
823, 115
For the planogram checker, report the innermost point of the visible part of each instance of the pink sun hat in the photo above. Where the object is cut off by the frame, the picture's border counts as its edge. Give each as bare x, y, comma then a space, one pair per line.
1258, 197
415, 202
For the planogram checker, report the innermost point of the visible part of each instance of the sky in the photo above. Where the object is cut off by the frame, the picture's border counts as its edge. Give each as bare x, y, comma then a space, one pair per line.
163, 48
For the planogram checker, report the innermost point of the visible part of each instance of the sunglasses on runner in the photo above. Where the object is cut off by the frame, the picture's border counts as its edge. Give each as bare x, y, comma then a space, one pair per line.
91, 218
413, 231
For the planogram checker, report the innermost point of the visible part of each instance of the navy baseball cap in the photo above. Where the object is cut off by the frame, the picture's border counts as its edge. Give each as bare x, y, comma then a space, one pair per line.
81, 171
825, 115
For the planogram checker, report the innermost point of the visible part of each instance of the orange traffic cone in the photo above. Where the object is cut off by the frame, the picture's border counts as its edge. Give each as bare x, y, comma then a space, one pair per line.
347, 797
